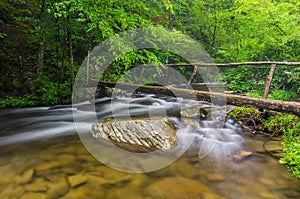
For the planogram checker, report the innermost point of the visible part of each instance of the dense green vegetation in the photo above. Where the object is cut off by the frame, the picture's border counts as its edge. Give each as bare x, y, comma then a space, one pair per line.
43, 42
276, 94
275, 124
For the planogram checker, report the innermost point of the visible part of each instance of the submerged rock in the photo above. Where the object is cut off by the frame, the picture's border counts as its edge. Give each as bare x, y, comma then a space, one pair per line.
57, 189
179, 187
76, 180
137, 134
240, 155
38, 185
26, 177
194, 112
32, 195
273, 146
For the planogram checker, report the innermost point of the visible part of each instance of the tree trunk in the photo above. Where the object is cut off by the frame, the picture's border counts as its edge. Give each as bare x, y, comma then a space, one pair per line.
88, 62
41, 54
269, 81
70, 42
59, 60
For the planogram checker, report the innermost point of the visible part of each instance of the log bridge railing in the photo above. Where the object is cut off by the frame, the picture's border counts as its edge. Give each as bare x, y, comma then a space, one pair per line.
234, 65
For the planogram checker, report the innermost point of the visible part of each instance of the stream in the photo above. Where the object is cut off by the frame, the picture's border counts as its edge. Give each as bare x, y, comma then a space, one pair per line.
43, 156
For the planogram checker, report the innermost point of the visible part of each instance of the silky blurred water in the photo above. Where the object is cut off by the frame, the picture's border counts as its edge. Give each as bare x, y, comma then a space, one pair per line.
41, 152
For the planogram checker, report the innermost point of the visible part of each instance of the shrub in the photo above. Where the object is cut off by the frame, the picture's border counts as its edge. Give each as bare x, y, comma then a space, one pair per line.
18, 102
275, 94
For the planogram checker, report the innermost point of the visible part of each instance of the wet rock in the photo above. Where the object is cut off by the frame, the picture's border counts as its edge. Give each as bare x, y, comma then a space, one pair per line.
110, 174
179, 188
259, 158
76, 180
53, 176
70, 170
82, 194
123, 179
48, 166
87, 192
138, 180
57, 189
7, 174
32, 195
137, 135
96, 181
215, 177
190, 116
193, 112
279, 155
241, 155
12, 191
39, 185
26, 177
273, 146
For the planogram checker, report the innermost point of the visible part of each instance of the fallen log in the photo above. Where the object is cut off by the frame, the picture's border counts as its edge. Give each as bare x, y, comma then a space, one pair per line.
215, 97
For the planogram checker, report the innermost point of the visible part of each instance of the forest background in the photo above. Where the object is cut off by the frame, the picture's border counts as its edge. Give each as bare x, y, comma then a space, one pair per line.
44, 42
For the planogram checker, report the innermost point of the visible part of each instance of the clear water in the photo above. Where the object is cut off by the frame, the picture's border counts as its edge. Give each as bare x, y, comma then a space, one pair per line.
42, 156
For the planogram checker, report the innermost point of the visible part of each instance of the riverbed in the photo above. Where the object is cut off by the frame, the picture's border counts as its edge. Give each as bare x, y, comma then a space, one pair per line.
42, 156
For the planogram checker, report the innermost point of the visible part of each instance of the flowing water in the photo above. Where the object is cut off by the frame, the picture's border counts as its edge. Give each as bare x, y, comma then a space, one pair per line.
42, 156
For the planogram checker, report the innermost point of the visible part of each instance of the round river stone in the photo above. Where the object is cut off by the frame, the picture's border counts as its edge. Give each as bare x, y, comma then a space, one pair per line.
137, 134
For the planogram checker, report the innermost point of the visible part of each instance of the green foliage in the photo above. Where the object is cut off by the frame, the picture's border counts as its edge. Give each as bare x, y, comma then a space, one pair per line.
243, 112
260, 29
51, 93
275, 94
289, 126
295, 79
252, 79
291, 144
256, 93
50, 38
27, 100
276, 124
239, 79
278, 94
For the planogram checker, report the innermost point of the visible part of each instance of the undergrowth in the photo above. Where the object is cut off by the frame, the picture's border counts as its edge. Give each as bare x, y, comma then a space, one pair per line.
274, 123
276, 94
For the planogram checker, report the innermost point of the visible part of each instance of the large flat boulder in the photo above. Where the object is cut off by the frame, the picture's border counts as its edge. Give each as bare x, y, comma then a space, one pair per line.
137, 134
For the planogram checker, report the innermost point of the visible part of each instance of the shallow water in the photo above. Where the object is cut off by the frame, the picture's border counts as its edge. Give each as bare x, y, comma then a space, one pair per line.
42, 156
